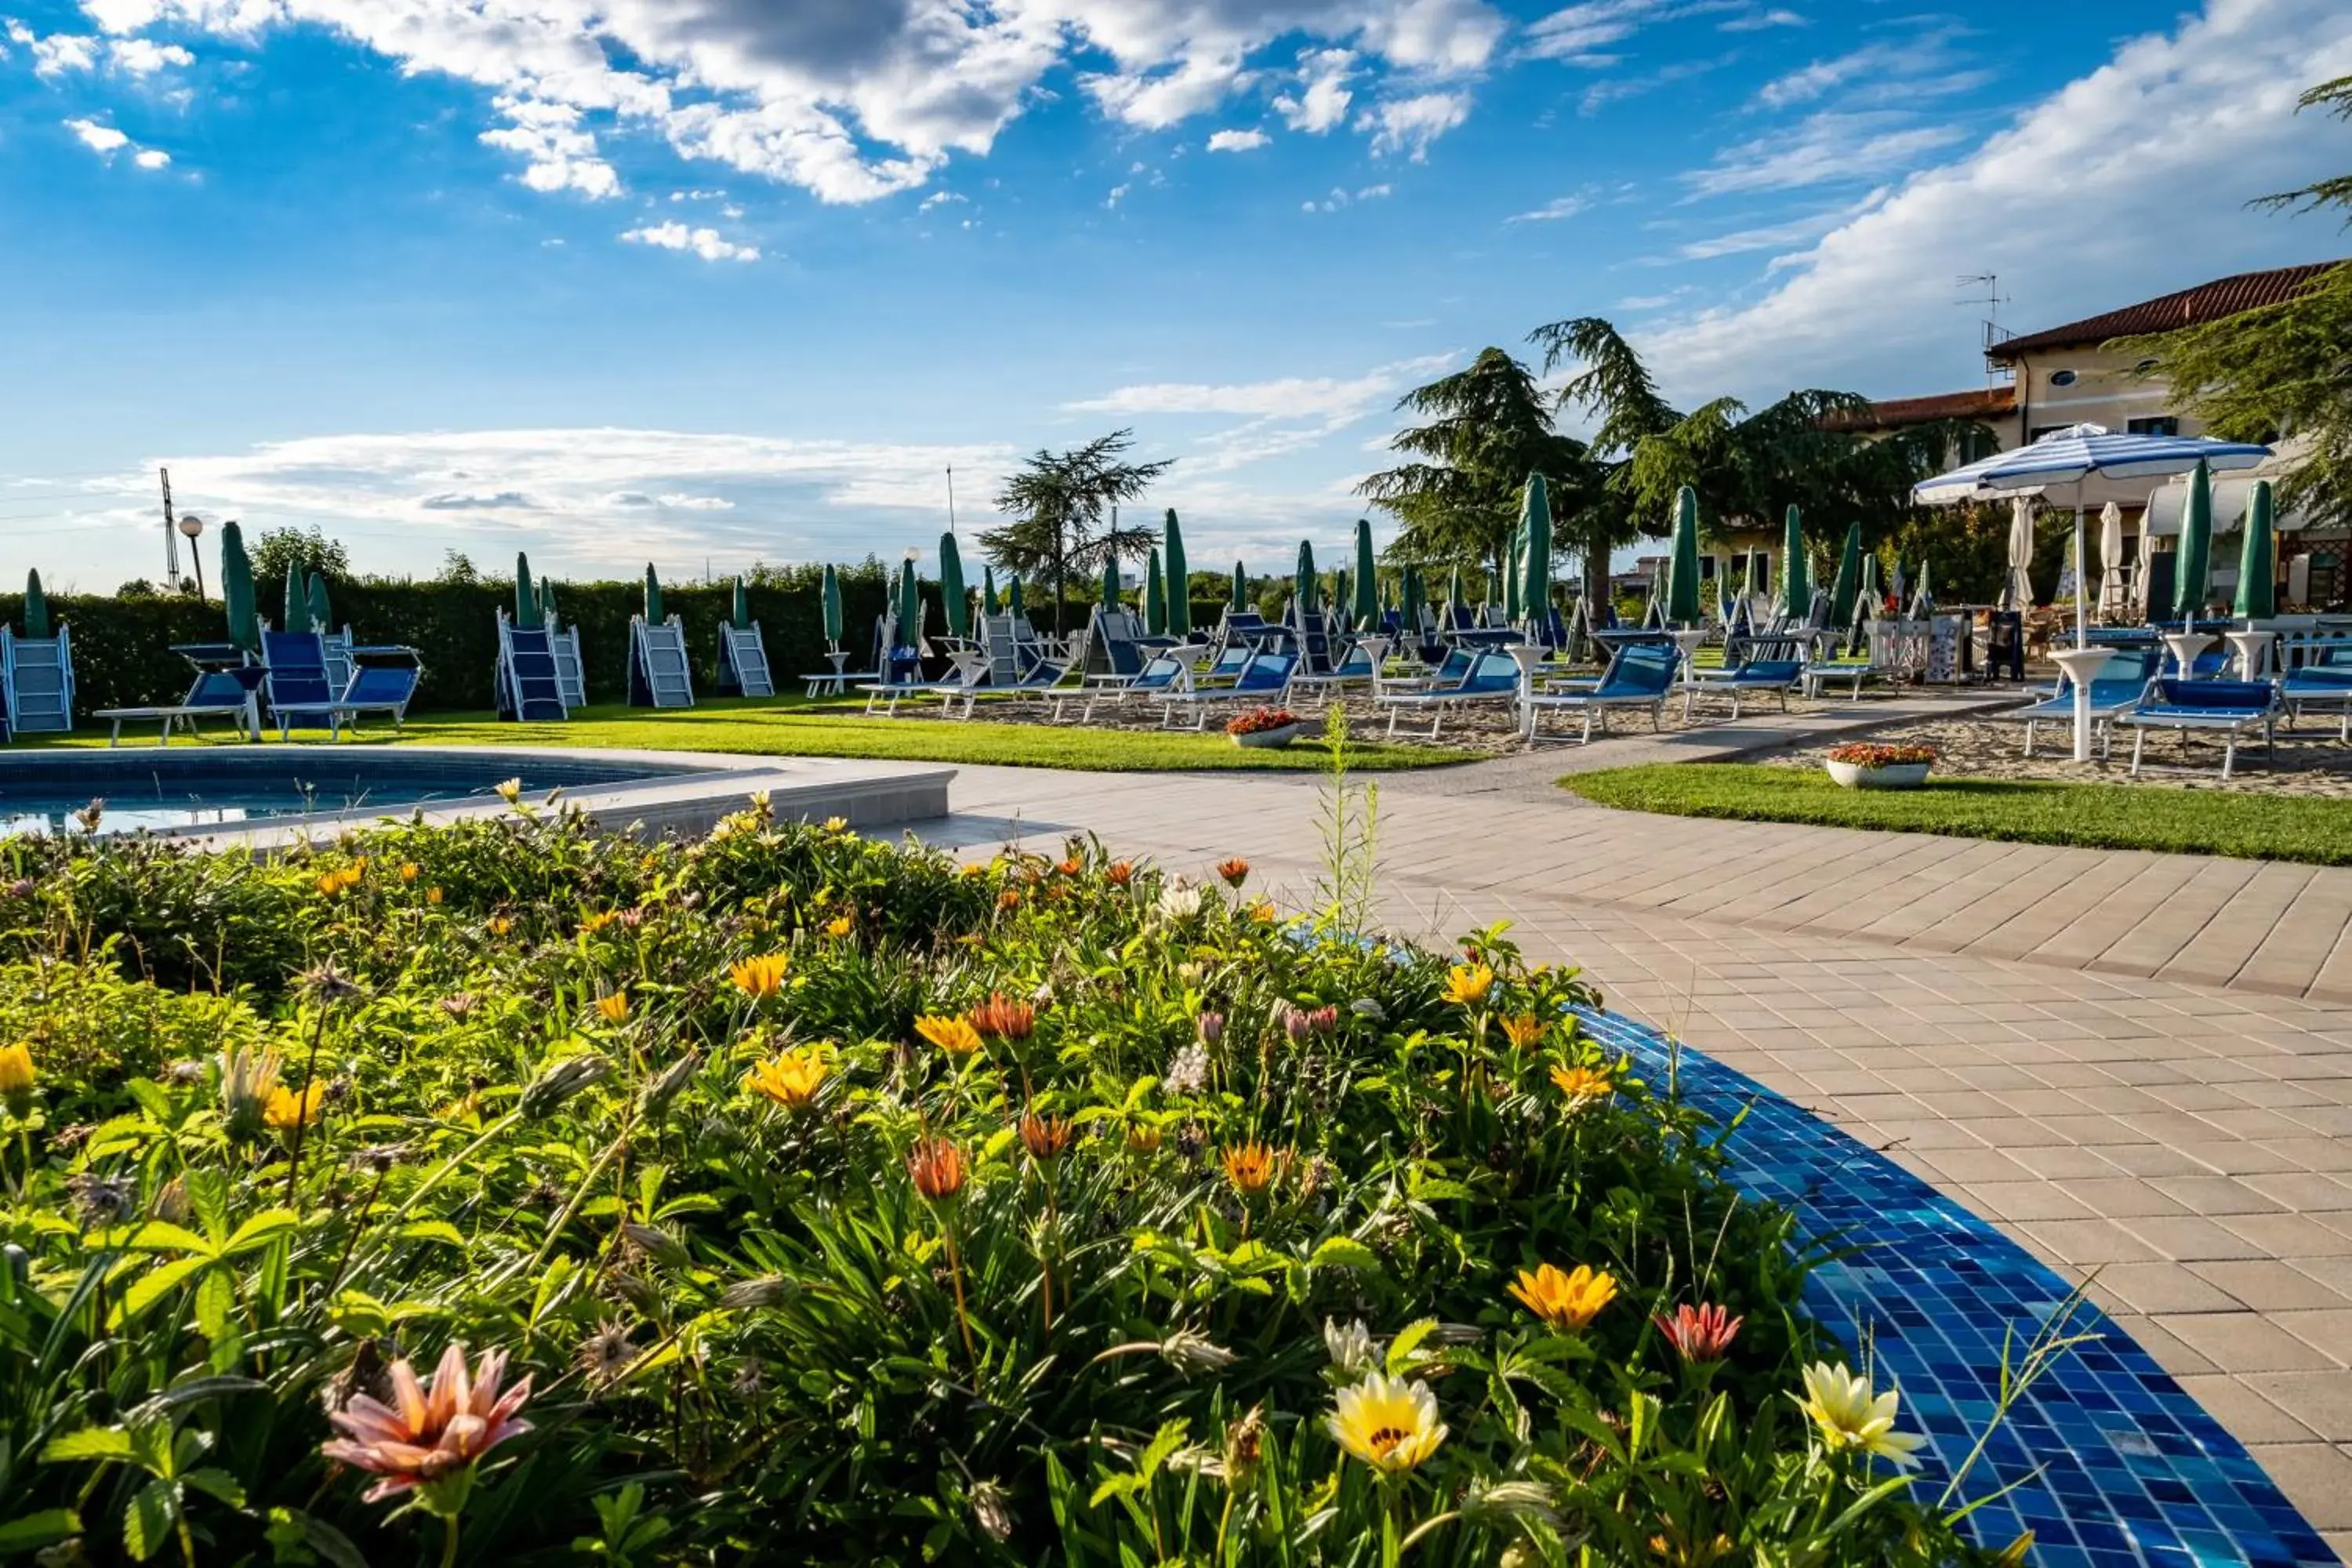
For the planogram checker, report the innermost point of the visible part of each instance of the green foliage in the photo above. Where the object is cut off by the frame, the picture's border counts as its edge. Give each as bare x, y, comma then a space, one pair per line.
1062, 507
750, 1335
274, 550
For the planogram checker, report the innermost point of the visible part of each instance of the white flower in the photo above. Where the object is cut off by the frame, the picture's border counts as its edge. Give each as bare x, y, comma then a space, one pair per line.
1188, 1070
1179, 902
1848, 1416
1350, 1348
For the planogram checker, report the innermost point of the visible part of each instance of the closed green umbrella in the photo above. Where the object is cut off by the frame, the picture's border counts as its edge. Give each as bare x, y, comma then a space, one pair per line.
1013, 597
910, 606
236, 589
1848, 583
322, 614
2257, 571
990, 605
1240, 601
526, 602
37, 608
1410, 600
742, 609
1368, 586
652, 596
1339, 599
1110, 589
1453, 599
1535, 519
546, 603
1511, 575
298, 602
1682, 563
829, 601
1304, 588
1796, 572
2195, 542
1494, 587
1179, 579
1155, 597
952, 593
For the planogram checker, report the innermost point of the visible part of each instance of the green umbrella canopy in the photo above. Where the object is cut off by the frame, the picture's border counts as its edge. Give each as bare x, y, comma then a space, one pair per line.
1409, 594
990, 605
1535, 521
1368, 586
1110, 583
1180, 578
37, 608
1013, 599
236, 589
1240, 601
1796, 572
741, 610
1848, 583
2196, 543
298, 601
952, 593
1512, 598
652, 596
829, 597
322, 614
1304, 588
1453, 599
1682, 563
546, 603
2257, 570
526, 602
911, 605
1155, 597
1339, 599
1494, 587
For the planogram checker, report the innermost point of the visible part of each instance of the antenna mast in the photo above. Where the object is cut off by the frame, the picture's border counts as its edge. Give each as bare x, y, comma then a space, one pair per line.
950, 497
1995, 334
171, 538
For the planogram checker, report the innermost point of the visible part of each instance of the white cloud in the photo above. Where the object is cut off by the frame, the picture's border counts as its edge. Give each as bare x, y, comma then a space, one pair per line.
59, 52
153, 158
1824, 149
1925, 63
1237, 140
1758, 21
850, 100
103, 140
1323, 97
1552, 211
1409, 125
1340, 196
1578, 34
938, 198
144, 57
1778, 236
706, 243
2153, 156
1281, 416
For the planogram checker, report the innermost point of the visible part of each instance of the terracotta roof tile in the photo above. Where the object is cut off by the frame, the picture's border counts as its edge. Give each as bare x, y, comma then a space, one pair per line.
2211, 301
1887, 414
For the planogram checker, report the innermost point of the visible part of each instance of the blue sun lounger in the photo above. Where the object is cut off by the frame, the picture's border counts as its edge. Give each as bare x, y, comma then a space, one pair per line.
298, 688
2319, 674
1164, 673
214, 694
1264, 682
1767, 665
2116, 689
1640, 674
2231, 708
1487, 677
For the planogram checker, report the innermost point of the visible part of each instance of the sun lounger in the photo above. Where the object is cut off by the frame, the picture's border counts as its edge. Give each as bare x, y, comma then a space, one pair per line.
2318, 675
527, 683
2233, 708
214, 694
1264, 683
1356, 667
1487, 677
2116, 689
299, 690
1166, 672
1767, 665
1639, 676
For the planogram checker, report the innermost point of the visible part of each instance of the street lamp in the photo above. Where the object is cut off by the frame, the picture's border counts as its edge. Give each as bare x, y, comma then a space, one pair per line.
191, 525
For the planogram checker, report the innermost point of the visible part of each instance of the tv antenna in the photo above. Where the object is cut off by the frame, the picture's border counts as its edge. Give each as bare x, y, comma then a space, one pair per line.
1992, 299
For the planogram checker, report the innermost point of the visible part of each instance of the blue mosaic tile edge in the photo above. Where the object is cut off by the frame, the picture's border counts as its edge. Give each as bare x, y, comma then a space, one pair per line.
2113, 1465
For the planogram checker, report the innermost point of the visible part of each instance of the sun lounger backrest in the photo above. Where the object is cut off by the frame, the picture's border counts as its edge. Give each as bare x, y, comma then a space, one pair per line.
1313, 629
2249, 696
528, 673
1639, 669
1267, 672
296, 662
381, 686
1490, 672
215, 688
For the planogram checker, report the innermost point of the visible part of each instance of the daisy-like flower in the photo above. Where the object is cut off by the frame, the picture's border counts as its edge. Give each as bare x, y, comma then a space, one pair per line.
1120, 873
1250, 1167
1008, 900
789, 1078
430, 1435
839, 926
1566, 1301
953, 1036
409, 872
976, 869
1048, 1138
1701, 1335
1468, 983
248, 1082
1349, 1347
1071, 867
17, 1077
614, 1006
1582, 1086
498, 925
286, 1110
1002, 1018
837, 825
1234, 871
509, 790
936, 1167
432, 895
1142, 1138
1391, 1424
1523, 1030
760, 977
1849, 1416
606, 1356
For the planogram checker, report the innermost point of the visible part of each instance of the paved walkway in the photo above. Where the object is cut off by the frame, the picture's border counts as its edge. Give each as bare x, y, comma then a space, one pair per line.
2140, 1065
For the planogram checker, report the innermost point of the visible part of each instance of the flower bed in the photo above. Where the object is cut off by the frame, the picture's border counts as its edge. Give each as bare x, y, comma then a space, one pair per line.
801, 1198
1259, 719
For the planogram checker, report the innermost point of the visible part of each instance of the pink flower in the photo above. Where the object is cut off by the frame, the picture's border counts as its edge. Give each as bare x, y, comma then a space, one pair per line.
428, 1435
1702, 1334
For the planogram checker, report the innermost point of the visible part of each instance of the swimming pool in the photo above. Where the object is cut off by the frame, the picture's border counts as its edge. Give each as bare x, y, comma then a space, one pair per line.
219, 787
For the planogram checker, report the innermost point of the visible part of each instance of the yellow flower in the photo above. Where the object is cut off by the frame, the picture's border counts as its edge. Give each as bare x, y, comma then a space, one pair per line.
1582, 1086
953, 1036
1250, 1168
974, 870
1848, 1416
1261, 911
761, 976
837, 825
789, 1078
1468, 983
1142, 1138
839, 926
1389, 1423
286, 1110
499, 925
1523, 1030
1566, 1302
614, 1006
432, 895
510, 791
17, 1074
409, 872
598, 922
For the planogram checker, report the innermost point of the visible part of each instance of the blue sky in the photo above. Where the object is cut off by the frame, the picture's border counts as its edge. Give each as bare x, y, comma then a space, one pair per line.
719, 280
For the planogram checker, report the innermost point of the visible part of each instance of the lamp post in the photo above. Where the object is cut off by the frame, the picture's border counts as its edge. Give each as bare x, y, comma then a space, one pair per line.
190, 526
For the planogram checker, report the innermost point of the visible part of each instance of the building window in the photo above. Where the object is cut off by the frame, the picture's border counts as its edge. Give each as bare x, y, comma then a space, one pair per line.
2062, 378
2157, 425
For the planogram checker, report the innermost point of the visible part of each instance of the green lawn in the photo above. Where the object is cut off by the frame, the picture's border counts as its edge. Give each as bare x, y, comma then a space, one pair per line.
795, 728
2095, 815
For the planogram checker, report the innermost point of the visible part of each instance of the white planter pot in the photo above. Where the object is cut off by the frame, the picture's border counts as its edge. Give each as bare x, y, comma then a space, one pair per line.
1277, 737
1903, 776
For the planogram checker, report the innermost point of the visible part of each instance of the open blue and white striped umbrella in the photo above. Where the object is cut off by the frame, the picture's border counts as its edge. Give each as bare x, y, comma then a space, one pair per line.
2078, 454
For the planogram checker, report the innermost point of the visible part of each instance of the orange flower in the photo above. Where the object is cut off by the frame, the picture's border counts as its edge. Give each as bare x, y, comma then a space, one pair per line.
598, 922
1071, 867
614, 1006
1583, 1086
839, 926
1235, 871
1523, 1030
1000, 1017
1566, 1302
1120, 873
1250, 1167
952, 1036
937, 1168
432, 895
409, 872
498, 925
761, 976
428, 1435
1008, 900
1046, 1137
1468, 983
1261, 911
791, 1079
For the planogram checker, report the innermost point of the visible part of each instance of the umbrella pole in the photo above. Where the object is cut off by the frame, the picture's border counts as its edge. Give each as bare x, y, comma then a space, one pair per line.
2080, 662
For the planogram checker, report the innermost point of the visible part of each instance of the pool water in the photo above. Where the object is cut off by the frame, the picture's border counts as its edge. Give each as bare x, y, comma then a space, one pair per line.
194, 791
